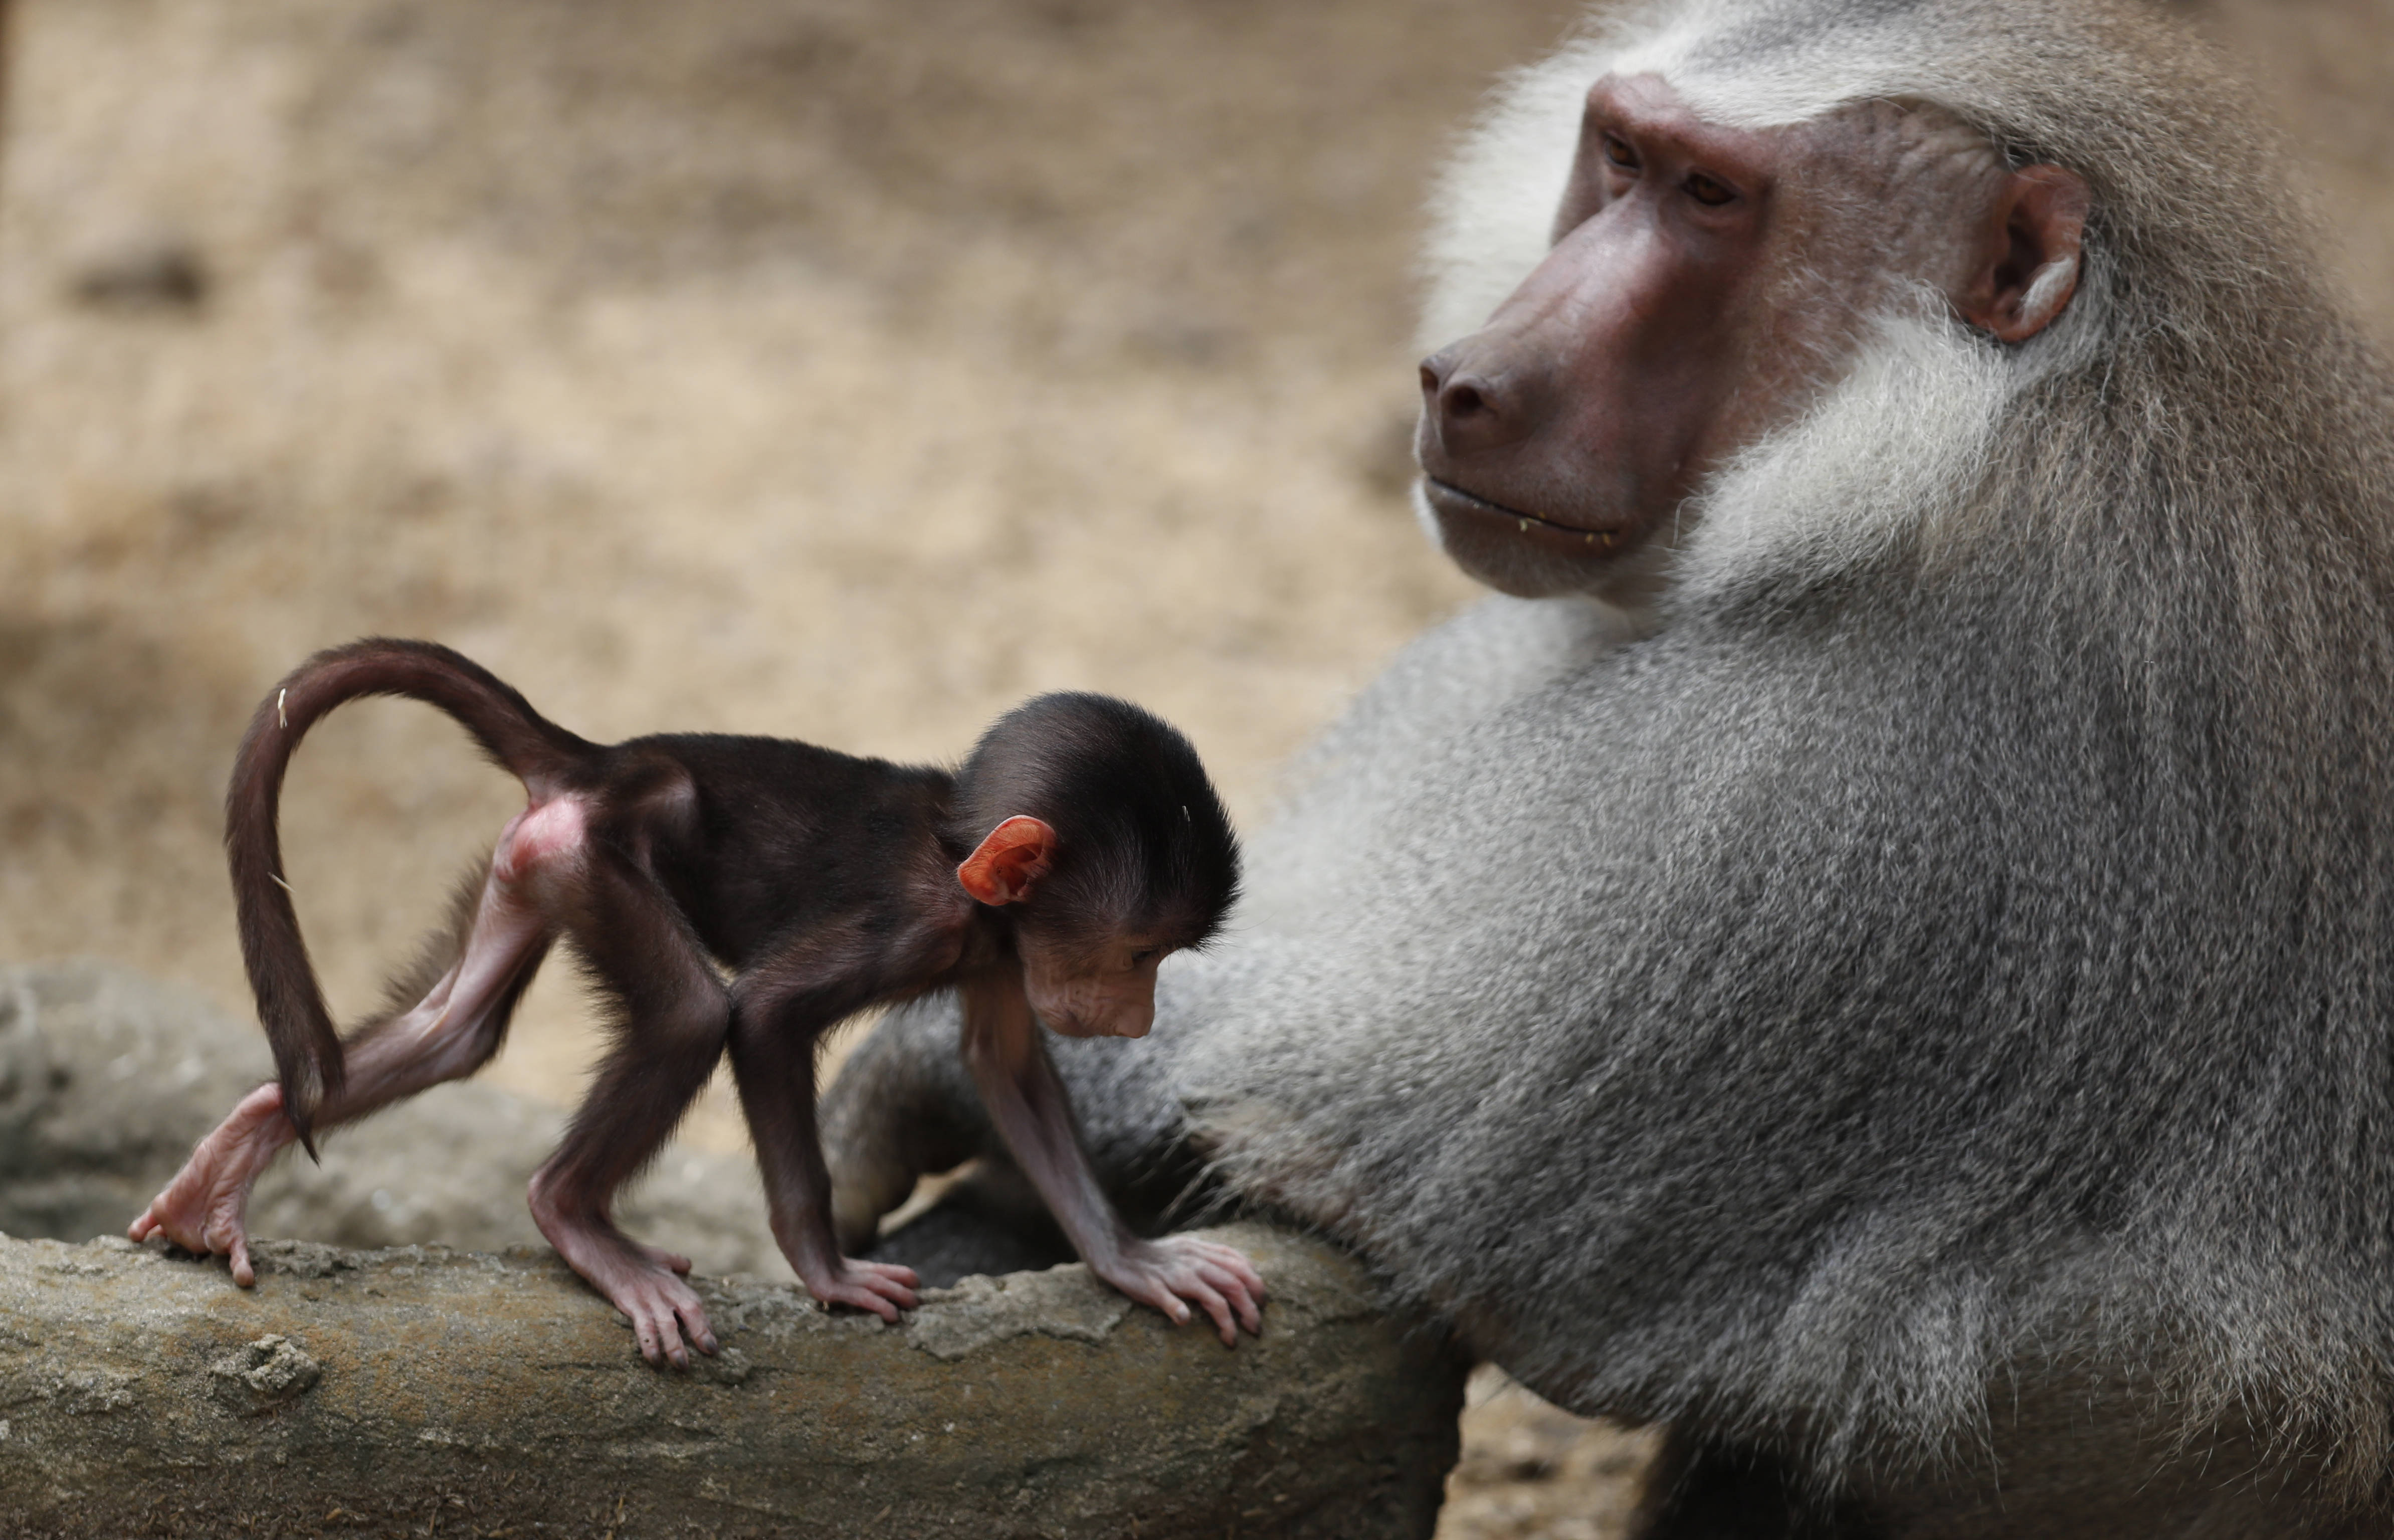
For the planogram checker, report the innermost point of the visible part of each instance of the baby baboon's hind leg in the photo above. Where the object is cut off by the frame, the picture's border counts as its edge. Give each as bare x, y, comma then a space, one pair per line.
448, 1016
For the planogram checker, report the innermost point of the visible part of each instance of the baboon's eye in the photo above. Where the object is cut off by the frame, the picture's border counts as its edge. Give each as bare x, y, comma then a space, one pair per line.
1617, 151
1708, 192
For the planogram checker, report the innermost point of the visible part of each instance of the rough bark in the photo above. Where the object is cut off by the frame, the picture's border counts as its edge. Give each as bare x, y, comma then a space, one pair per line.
425, 1390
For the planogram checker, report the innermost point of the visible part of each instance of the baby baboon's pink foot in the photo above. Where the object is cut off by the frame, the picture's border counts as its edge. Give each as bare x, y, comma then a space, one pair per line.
205, 1208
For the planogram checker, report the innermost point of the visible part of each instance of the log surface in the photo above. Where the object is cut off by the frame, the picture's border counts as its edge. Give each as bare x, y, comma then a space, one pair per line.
423, 1391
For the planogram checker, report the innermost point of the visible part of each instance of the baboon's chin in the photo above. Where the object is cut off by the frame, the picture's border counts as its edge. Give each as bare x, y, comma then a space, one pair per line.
1522, 555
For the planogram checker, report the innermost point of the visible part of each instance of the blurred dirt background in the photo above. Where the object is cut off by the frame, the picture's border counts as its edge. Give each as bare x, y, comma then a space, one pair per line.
845, 369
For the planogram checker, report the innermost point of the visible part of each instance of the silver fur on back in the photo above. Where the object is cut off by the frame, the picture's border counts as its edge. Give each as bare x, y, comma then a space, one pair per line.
1952, 941
1935, 970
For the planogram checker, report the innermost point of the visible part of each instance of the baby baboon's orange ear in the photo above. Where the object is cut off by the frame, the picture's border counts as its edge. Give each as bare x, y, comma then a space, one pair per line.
1007, 861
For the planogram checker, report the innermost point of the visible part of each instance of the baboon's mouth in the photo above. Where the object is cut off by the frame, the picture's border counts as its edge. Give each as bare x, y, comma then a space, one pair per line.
1450, 501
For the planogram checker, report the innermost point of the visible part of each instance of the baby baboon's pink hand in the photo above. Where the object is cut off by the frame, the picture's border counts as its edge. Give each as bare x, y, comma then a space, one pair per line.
885, 1288
1176, 1268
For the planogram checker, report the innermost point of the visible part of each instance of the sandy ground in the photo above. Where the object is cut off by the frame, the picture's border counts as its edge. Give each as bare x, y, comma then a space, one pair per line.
844, 369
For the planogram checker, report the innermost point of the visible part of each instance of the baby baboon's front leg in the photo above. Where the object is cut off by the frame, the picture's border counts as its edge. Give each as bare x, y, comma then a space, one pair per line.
672, 1016
785, 1004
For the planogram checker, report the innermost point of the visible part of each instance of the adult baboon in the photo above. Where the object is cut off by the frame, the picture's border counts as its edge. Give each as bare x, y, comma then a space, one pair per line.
1885, 962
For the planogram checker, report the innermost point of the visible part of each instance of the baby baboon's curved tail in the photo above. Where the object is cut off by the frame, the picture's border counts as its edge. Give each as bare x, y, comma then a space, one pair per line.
290, 1003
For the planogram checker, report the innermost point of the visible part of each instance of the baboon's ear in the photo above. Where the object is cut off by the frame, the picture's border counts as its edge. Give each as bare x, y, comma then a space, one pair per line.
1007, 861
2027, 266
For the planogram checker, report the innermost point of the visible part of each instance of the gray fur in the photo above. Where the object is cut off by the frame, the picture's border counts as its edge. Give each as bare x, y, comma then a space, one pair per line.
1908, 973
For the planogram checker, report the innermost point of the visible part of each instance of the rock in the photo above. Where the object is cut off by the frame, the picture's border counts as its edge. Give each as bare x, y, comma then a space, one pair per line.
107, 1079
422, 1389
142, 270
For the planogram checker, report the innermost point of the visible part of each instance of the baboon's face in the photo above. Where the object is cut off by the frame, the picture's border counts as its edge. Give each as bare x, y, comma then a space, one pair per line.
1704, 283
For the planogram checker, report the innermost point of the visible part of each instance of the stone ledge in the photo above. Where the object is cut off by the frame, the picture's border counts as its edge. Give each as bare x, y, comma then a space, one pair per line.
420, 1389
